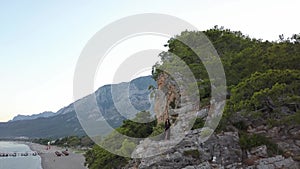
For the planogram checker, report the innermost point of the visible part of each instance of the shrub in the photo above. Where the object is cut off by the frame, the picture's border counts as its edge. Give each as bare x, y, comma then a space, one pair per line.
192, 153
248, 141
199, 123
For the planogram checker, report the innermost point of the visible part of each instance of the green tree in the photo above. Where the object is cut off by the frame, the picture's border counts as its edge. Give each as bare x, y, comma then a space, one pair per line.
101, 158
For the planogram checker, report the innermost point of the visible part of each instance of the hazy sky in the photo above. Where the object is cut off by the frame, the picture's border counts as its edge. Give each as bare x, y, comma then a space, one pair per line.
40, 41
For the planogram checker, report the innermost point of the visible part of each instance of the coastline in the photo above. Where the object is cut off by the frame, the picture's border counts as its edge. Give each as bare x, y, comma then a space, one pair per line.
51, 161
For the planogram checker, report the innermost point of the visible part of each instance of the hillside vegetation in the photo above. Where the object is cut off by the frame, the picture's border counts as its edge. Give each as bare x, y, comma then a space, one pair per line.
263, 80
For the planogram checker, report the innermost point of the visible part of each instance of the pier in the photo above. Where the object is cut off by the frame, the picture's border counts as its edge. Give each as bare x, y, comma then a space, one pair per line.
18, 154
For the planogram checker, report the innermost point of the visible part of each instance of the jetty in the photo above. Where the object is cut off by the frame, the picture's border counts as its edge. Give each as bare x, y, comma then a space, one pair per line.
18, 154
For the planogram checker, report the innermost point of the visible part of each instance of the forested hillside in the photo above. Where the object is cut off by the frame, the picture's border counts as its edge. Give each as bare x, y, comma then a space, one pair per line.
263, 83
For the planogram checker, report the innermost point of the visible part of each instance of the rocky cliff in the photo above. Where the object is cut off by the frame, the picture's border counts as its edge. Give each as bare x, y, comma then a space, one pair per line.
167, 97
219, 151
200, 148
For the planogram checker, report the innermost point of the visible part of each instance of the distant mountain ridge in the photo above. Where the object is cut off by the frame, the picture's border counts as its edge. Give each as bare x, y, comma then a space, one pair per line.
65, 122
34, 116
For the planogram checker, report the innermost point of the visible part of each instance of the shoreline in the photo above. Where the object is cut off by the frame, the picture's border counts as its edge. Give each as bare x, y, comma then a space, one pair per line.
50, 161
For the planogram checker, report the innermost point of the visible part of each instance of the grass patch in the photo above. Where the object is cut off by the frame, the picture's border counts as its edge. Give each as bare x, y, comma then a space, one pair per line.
199, 123
192, 153
157, 130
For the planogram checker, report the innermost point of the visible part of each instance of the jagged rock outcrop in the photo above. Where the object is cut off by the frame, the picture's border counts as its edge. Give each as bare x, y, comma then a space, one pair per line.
219, 151
277, 162
200, 148
286, 137
167, 95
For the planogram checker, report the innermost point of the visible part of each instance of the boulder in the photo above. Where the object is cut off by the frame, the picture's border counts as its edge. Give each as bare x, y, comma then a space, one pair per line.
260, 151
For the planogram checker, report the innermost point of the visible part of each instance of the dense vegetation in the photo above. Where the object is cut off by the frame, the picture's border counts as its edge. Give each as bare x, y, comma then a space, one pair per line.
101, 158
266, 94
262, 78
70, 141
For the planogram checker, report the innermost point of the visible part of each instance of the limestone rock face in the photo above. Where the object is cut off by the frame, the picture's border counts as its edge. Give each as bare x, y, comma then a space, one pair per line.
167, 95
286, 137
219, 150
203, 149
274, 163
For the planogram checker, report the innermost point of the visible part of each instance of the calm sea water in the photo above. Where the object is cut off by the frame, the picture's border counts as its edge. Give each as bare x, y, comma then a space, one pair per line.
21, 162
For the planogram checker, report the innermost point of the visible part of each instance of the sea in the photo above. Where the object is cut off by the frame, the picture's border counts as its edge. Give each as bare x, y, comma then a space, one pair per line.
18, 162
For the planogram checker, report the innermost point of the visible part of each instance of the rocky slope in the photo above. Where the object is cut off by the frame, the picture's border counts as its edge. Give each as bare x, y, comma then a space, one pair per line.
279, 149
219, 151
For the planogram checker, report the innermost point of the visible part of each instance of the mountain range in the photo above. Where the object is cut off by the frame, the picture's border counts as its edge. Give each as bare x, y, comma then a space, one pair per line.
65, 122
34, 116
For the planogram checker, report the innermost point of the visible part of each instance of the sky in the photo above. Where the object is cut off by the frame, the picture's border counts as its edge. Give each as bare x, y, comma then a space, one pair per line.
40, 41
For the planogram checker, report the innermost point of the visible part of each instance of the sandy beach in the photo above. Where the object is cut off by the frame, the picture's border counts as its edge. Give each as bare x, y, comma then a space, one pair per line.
51, 161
